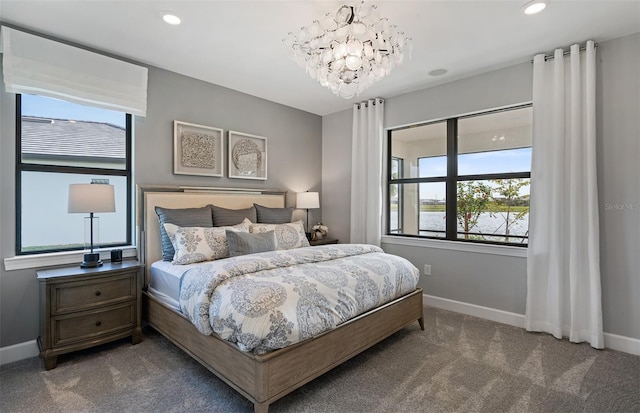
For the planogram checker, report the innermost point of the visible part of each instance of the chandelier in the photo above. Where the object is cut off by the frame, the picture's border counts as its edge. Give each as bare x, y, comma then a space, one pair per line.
349, 51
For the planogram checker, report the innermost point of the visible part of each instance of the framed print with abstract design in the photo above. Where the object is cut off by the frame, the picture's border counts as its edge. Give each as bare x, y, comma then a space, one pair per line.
197, 149
247, 156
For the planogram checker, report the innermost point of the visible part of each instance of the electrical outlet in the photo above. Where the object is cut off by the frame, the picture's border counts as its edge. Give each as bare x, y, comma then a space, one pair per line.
427, 269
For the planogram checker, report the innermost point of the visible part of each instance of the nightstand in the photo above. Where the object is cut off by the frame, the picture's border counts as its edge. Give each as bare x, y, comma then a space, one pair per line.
85, 307
323, 241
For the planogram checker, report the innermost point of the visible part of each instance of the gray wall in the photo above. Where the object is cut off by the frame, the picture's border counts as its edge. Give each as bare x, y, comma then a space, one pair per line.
336, 174
293, 136
493, 281
294, 164
618, 157
500, 281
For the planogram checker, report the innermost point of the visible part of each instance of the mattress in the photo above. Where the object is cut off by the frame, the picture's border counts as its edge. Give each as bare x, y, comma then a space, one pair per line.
165, 282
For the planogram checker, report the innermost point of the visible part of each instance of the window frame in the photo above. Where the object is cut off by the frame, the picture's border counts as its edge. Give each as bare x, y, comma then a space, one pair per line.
21, 167
451, 179
400, 213
432, 179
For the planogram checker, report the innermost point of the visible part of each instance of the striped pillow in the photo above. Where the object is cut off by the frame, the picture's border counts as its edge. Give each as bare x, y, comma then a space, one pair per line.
241, 243
225, 217
268, 215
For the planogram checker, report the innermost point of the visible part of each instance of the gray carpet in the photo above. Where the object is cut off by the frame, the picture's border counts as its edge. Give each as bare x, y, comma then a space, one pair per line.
459, 364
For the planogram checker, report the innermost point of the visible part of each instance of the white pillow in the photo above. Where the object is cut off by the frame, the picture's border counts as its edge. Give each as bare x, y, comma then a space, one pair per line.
197, 244
288, 236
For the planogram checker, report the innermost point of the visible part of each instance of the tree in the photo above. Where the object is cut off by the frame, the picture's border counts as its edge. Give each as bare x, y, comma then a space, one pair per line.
509, 192
393, 189
473, 199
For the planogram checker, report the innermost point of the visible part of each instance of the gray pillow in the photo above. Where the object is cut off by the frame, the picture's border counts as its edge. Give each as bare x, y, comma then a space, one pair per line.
185, 217
268, 215
223, 217
242, 243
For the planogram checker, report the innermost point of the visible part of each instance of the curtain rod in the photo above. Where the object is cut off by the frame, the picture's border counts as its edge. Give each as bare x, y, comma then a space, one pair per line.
366, 104
565, 53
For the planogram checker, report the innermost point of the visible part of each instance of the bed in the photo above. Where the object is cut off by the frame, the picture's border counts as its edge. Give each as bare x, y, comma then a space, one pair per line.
261, 378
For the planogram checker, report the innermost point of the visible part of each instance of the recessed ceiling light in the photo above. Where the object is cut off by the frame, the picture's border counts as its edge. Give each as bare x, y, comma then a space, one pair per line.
533, 7
171, 19
437, 72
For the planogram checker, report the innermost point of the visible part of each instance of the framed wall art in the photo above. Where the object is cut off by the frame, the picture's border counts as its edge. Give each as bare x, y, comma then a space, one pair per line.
197, 149
247, 156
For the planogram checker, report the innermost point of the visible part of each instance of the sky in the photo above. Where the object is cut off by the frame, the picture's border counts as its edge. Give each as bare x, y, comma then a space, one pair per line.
509, 160
33, 105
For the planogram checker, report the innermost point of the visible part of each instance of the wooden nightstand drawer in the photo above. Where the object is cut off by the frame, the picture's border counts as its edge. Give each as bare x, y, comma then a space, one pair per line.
84, 307
74, 296
78, 327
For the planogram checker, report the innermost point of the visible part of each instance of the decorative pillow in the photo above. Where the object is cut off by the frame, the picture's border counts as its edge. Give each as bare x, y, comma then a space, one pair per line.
241, 243
197, 244
171, 230
186, 217
288, 236
225, 217
268, 215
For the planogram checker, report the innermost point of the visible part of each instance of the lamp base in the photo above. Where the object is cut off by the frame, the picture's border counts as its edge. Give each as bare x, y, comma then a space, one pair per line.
91, 261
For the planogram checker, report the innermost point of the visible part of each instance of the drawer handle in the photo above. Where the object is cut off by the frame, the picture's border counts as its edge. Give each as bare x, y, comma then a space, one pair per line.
98, 293
98, 323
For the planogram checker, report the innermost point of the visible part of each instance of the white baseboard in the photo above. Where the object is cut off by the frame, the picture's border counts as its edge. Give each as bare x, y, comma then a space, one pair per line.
622, 343
19, 351
629, 345
493, 314
611, 341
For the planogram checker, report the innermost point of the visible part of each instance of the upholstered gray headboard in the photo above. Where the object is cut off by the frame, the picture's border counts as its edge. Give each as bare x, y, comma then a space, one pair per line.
149, 244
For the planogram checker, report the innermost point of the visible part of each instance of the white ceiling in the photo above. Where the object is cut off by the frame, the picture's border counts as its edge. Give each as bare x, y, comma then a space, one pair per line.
238, 44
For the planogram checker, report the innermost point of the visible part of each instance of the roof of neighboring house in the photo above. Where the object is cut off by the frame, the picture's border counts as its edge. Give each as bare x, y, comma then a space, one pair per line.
64, 137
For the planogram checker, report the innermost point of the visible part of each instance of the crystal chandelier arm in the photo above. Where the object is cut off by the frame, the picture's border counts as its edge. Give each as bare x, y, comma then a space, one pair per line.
349, 18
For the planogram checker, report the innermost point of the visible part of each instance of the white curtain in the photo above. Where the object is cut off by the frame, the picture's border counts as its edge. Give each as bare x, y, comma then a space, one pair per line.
563, 265
366, 172
39, 66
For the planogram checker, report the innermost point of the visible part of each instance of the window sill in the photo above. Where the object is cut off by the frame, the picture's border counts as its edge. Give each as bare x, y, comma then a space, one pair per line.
504, 250
23, 262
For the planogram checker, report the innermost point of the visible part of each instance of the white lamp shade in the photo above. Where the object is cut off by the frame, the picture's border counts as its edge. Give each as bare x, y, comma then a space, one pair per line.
307, 200
91, 198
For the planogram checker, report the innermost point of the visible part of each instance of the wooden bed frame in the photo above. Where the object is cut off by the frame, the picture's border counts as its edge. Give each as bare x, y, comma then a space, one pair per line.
266, 378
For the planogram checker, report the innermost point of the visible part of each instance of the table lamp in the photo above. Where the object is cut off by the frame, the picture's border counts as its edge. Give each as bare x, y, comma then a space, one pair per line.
91, 198
307, 200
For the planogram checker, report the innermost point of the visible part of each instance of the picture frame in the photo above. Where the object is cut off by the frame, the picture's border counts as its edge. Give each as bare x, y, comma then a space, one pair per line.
197, 149
247, 156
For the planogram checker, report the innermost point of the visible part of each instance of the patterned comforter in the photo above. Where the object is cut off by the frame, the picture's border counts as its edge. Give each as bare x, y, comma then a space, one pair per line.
270, 300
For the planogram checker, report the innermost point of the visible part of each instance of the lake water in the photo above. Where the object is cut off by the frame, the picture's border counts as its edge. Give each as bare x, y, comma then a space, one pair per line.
493, 224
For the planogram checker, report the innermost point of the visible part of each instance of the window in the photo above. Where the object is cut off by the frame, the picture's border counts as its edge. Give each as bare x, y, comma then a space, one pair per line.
60, 143
464, 178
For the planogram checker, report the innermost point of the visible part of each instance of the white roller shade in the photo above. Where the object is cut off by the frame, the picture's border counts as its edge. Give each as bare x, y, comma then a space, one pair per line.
38, 66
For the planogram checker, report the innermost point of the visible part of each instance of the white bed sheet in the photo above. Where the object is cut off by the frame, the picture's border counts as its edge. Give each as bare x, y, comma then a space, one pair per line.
165, 282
